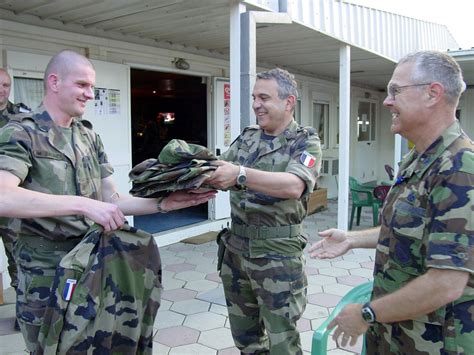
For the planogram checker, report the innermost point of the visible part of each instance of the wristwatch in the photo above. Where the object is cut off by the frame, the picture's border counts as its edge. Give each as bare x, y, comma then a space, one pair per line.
368, 313
242, 177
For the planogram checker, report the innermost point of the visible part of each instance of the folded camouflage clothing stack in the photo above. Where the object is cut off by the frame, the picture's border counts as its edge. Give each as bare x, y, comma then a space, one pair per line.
179, 166
105, 296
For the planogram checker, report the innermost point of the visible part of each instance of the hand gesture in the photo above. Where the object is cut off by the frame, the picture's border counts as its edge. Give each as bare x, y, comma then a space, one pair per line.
333, 244
186, 198
108, 215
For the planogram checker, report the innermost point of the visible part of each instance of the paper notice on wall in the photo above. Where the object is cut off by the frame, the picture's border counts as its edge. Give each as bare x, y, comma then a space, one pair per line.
227, 132
106, 101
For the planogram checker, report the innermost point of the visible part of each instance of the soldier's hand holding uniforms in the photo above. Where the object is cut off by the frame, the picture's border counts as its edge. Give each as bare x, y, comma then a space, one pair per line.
333, 244
108, 215
224, 176
184, 198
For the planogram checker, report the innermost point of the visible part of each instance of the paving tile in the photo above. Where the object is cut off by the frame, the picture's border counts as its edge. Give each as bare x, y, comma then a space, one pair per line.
192, 349
321, 280
217, 338
352, 280
210, 254
315, 323
317, 263
337, 289
229, 351
205, 321
168, 319
306, 340
367, 273
312, 311
214, 277
178, 294
324, 299
172, 260
368, 264
165, 305
160, 349
190, 307
172, 284
201, 285
176, 336
312, 288
215, 296
12, 344
303, 325
178, 247
189, 276
206, 268
218, 309
7, 326
179, 267
311, 270
344, 264
333, 271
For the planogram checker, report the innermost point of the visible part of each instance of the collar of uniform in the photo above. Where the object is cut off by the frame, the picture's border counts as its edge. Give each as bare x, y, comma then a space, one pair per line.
418, 164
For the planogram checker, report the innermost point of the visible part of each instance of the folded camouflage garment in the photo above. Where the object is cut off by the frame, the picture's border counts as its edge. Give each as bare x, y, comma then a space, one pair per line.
179, 166
105, 296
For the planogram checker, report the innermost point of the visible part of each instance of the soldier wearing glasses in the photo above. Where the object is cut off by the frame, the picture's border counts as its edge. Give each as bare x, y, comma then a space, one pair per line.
423, 296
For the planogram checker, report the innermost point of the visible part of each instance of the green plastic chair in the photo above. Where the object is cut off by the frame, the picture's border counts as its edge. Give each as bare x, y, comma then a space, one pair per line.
363, 196
359, 294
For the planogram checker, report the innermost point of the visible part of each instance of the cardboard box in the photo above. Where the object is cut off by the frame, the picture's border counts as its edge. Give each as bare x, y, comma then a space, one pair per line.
318, 200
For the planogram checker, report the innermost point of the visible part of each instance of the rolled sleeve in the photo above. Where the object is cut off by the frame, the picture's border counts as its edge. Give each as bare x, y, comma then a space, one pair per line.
14, 157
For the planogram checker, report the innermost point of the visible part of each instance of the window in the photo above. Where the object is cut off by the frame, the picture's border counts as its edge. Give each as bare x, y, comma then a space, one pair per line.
297, 112
28, 91
366, 121
321, 121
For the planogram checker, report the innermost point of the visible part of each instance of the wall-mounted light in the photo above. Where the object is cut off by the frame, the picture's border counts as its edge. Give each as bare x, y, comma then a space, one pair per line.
181, 63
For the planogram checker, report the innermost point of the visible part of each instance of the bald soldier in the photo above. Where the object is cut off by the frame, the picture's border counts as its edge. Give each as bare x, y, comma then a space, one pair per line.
55, 175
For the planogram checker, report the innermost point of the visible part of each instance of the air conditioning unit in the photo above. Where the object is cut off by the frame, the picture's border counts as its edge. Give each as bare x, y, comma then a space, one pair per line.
329, 167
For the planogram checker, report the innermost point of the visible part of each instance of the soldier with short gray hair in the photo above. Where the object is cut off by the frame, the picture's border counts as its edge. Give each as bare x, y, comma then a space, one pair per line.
423, 296
271, 169
55, 176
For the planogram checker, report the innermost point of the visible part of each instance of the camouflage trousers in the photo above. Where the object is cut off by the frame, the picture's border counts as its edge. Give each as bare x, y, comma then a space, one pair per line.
415, 337
12, 268
37, 265
265, 298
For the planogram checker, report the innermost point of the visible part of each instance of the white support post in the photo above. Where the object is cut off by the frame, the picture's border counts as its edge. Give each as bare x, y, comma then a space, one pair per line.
344, 139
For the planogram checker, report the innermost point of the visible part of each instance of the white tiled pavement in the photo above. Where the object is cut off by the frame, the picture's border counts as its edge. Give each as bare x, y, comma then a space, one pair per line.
193, 319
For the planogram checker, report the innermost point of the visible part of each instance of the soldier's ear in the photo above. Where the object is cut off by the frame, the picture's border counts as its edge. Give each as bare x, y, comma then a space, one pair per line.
52, 82
290, 102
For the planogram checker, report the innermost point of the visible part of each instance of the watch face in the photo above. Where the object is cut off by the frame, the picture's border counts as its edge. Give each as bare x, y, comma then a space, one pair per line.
241, 179
368, 315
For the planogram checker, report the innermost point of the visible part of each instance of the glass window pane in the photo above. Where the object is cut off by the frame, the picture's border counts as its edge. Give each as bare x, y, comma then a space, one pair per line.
28, 91
320, 120
372, 121
363, 122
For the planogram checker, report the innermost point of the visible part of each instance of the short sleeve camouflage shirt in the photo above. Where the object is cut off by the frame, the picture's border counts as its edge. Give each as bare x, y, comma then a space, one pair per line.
428, 222
34, 149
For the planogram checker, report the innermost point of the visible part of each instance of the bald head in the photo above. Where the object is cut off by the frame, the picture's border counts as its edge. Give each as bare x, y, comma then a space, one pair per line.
5, 86
63, 63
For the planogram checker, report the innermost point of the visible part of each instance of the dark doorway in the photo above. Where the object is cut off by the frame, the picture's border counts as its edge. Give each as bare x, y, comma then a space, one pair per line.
167, 106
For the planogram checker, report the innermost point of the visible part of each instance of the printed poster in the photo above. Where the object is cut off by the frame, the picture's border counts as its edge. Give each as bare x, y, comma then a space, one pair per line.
227, 133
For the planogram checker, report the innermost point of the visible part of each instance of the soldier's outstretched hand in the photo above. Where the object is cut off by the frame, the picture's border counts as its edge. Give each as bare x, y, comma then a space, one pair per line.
185, 198
225, 176
108, 215
333, 244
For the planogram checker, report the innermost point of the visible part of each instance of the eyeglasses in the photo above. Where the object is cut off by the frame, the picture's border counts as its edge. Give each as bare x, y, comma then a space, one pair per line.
394, 90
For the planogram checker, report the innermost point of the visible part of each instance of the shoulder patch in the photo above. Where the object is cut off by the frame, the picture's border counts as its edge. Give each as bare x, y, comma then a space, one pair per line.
307, 159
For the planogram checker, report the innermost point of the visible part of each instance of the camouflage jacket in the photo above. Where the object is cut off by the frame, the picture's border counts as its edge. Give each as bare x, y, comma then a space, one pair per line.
283, 153
34, 149
427, 222
179, 166
12, 109
105, 296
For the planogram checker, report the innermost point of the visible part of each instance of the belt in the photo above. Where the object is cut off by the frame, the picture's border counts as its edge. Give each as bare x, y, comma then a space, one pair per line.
264, 232
41, 242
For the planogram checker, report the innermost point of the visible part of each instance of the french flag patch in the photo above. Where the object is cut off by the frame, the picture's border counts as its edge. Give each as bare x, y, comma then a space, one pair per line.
69, 289
307, 159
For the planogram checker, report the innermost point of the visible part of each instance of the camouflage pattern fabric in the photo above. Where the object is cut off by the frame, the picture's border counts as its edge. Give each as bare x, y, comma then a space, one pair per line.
427, 222
179, 166
9, 227
34, 149
263, 273
114, 304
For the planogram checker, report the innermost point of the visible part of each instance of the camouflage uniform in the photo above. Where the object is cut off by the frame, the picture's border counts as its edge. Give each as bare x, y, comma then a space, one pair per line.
111, 310
9, 226
179, 166
263, 264
427, 221
34, 149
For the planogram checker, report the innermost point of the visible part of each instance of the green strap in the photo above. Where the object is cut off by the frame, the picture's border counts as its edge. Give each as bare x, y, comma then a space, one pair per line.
264, 232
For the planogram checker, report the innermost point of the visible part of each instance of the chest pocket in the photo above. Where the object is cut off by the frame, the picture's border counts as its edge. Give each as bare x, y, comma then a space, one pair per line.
407, 245
51, 173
